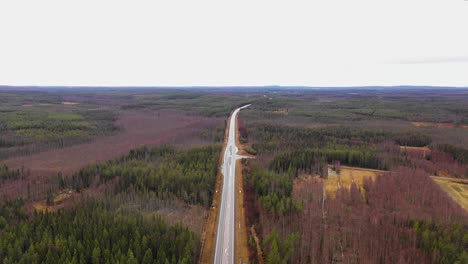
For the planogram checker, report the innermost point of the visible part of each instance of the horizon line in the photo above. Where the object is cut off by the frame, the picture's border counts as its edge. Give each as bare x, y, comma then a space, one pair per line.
230, 86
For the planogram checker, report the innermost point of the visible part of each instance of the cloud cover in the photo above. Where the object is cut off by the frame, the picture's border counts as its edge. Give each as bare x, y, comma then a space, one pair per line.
316, 43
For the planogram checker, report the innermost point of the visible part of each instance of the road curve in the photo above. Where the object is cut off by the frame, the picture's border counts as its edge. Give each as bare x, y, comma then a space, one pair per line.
225, 241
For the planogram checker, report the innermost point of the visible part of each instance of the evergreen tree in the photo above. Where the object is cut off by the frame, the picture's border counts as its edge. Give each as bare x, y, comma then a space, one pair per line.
148, 257
131, 258
96, 255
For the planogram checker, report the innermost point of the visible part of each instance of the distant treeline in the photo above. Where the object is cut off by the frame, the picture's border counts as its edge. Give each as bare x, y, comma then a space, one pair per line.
25, 131
270, 138
306, 160
301, 148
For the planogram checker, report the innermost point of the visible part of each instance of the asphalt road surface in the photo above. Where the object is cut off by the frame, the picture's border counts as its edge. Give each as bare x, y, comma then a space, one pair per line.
225, 241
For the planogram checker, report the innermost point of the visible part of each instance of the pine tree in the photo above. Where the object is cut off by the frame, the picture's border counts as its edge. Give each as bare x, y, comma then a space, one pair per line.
131, 258
274, 255
96, 255
3, 222
148, 257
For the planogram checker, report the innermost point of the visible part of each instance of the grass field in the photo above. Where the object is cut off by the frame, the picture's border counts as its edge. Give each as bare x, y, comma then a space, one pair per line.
347, 176
458, 191
344, 179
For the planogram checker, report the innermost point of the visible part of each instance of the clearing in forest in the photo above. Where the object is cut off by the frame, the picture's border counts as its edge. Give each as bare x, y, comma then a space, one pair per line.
347, 176
59, 201
458, 191
418, 151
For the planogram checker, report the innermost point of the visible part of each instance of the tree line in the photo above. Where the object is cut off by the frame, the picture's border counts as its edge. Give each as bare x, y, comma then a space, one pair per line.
312, 160
269, 137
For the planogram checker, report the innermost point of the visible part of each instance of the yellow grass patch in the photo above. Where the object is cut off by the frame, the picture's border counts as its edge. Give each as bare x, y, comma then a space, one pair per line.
439, 125
41, 206
61, 197
347, 176
423, 150
281, 111
458, 191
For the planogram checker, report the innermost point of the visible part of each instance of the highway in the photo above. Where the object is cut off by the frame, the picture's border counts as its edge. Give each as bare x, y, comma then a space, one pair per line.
225, 240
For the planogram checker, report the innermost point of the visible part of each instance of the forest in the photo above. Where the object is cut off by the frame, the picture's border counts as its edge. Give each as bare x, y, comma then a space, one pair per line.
399, 217
403, 210
301, 148
169, 173
93, 233
28, 130
273, 190
138, 166
104, 232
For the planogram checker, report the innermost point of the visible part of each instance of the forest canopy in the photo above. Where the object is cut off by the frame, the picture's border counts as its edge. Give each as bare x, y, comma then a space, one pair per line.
92, 233
170, 173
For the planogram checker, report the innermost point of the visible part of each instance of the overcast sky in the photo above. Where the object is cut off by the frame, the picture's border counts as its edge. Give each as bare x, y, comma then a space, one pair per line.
177, 43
